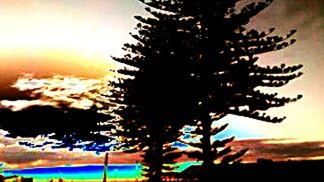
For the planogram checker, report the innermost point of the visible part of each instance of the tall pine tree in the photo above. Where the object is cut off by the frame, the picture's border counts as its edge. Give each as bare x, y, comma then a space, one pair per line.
222, 63
218, 66
152, 94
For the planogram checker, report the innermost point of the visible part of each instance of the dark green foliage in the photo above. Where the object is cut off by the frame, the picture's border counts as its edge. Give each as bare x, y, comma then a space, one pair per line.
195, 62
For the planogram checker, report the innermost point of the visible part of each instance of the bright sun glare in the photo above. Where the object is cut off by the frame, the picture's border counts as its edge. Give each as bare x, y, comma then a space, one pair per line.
48, 34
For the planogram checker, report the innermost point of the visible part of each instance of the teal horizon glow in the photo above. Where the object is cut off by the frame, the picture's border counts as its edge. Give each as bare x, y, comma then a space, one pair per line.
118, 172
80, 173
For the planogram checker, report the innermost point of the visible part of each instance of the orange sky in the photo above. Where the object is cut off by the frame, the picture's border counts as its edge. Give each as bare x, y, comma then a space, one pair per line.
64, 37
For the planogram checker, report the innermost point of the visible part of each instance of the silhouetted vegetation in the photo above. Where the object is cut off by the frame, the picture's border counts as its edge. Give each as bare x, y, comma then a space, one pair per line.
219, 148
290, 170
194, 63
154, 104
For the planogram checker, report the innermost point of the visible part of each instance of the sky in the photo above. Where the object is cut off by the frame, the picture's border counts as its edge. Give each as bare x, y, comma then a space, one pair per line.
60, 51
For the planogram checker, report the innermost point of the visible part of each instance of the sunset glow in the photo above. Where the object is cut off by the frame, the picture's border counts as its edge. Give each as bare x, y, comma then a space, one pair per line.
55, 53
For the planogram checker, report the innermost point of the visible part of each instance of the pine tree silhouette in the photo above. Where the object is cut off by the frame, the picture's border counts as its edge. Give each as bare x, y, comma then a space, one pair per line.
152, 95
220, 149
226, 75
195, 62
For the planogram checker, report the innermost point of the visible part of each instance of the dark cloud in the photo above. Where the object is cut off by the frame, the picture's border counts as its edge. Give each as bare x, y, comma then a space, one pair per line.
307, 11
6, 141
303, 15
26, 157
281, 149
292, 150
70, 125
9, 93
65, 106
19, 156
275, 149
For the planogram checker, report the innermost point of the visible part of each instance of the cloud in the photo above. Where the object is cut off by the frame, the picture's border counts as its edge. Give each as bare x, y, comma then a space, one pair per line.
16, 156
281, 149
276, 149
4, 141
304, 11
71, 126
26, 158
70, 91
64, 107
19, 105
19, 157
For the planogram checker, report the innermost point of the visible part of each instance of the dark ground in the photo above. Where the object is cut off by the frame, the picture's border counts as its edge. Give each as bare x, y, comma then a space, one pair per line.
264, 170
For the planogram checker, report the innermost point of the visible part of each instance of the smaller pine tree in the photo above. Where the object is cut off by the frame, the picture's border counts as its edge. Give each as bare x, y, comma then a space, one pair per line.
219, 150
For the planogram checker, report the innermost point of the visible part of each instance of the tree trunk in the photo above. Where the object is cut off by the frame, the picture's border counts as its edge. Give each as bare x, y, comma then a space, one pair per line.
156, 153
208, 161
155, 166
